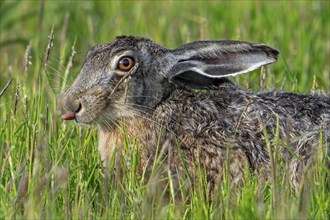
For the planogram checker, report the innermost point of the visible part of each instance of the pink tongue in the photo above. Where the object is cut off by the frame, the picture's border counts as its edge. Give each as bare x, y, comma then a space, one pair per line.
68, 116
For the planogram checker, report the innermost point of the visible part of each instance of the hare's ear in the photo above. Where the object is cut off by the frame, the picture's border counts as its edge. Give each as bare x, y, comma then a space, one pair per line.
200, 65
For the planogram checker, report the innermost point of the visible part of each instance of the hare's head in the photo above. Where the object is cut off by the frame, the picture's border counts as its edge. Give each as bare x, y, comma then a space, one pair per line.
133, 75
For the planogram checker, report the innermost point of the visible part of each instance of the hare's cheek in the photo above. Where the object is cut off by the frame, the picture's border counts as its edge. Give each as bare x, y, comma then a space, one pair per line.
90, 109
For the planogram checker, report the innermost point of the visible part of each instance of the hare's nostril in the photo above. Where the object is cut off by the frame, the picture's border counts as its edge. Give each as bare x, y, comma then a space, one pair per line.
79, 108
72, 115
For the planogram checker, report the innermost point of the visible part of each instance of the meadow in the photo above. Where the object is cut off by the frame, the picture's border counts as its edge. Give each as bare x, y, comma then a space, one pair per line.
52, 169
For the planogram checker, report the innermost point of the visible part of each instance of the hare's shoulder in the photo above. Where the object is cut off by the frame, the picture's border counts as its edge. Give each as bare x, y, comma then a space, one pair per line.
198, 113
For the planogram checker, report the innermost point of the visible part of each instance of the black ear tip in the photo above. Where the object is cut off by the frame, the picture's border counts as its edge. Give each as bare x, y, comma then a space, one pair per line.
275, 52
271, 52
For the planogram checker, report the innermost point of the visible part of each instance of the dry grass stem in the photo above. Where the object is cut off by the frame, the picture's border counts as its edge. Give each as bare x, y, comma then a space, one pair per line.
6, 87
27, 58
16, 99
49, 47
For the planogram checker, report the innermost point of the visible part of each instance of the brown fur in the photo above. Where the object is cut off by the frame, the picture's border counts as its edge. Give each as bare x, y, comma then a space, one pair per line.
188, 130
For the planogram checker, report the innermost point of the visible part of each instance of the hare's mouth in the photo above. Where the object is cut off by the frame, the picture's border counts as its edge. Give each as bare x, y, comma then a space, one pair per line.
71, 115
87, 114
84, 114
68, 116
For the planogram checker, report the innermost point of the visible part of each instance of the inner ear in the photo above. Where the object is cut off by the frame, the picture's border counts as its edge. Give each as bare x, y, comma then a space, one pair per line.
192, 80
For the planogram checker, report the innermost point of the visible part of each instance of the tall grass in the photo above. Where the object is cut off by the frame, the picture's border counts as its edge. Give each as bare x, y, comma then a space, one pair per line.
51, 169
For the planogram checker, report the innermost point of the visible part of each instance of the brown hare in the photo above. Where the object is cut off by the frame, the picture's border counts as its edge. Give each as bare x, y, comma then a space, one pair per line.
152, 91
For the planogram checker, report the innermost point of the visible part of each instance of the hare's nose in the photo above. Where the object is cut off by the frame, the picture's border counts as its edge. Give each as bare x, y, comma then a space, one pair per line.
72, 115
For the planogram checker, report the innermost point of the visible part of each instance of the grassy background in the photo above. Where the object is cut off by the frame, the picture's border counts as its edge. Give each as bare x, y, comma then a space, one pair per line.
51, 169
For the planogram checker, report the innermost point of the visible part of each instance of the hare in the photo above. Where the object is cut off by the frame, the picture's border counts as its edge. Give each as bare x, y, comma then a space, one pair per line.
156, 93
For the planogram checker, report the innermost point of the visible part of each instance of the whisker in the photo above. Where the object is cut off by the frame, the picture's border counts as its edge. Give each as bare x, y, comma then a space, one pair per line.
144, 96
134, 105
141, 114
108, 121
59, 63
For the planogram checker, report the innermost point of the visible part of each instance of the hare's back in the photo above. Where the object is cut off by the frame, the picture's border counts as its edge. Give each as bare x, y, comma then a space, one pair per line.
313, 110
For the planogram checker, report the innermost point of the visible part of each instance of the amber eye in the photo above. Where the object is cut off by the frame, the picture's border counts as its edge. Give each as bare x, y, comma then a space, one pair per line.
126, 63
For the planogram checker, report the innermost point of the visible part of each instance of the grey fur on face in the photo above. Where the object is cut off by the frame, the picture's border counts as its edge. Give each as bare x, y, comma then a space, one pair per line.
148, 87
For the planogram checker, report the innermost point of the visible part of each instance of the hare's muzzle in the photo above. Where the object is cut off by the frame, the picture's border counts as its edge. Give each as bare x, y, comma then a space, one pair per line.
73, 108
68, 116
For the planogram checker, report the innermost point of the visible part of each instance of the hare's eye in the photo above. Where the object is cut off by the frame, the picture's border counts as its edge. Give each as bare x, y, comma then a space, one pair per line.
126, 63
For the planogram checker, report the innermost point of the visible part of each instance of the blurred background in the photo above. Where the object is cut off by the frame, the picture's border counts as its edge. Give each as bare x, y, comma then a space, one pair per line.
298, 29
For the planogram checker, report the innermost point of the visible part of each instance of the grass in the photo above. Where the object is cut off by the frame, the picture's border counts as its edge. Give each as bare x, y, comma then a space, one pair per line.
52, 169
